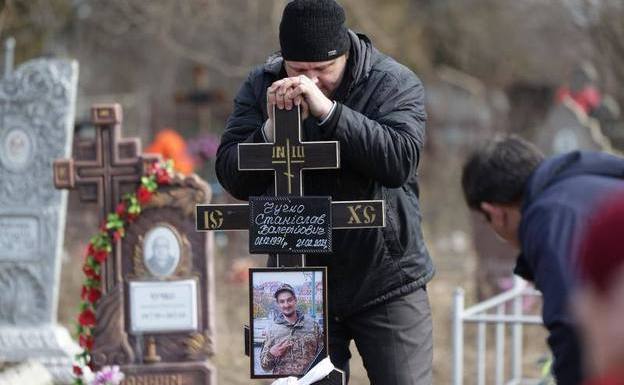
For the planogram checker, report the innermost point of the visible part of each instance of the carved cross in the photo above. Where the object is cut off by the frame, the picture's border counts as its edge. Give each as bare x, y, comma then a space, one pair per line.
106, 168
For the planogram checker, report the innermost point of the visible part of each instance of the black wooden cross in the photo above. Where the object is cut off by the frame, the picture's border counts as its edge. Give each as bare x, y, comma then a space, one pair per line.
288, 156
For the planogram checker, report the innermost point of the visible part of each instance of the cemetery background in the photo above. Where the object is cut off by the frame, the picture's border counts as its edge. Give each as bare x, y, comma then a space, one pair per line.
491, 66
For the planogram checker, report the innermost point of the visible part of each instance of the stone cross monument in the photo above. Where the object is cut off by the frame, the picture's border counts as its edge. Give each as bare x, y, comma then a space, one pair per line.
155, 318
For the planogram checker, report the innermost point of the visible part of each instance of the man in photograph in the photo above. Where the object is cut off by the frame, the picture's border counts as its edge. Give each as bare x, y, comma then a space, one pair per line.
350, 92
540, 206
293, 340
161, 262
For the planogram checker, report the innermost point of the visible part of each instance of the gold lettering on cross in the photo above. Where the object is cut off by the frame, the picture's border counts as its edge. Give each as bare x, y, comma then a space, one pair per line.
213, 219
288, 173
278, 153
369, 214
355, 218
288, 154
297, 152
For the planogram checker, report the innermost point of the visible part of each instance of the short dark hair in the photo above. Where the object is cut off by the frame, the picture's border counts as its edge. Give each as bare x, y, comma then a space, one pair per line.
498, 171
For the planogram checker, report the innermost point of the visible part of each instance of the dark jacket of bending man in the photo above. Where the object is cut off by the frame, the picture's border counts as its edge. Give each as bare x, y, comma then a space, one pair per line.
540, 206
374, 107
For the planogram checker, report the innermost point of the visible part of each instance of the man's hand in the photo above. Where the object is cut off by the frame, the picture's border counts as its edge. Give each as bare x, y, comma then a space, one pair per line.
298, 90
272, 101
279, 349
306, 89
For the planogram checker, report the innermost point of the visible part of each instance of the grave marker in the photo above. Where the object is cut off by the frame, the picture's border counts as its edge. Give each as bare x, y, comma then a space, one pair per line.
155, 316
37, 104
568, 128
288, 156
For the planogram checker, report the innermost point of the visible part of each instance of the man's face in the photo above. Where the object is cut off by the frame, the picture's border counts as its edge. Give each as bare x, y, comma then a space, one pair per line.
504, 219
327, 75
161, 251
287, 303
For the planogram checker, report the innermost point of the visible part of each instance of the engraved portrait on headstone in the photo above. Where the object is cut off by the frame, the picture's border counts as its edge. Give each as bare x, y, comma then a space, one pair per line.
161, 250
17, 149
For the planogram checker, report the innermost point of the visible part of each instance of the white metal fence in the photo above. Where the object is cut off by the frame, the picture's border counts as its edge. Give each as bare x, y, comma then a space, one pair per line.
502, 311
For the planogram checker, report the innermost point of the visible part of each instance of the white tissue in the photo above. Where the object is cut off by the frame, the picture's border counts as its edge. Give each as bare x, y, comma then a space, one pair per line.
317, 373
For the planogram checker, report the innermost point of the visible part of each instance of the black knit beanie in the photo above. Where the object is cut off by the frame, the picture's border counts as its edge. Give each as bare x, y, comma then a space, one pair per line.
313, 30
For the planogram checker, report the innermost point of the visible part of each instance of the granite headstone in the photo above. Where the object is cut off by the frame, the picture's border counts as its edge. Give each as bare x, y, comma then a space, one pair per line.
36, 118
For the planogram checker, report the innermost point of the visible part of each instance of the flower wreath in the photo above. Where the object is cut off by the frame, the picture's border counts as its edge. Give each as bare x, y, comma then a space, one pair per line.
100, 246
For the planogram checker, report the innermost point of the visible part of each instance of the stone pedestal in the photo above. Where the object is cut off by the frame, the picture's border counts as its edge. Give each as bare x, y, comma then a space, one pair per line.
50, 346
31, 373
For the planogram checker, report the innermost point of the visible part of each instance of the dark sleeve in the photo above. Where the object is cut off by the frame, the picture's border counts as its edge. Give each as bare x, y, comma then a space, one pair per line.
565, 344
385, 147
244, 125
548, 247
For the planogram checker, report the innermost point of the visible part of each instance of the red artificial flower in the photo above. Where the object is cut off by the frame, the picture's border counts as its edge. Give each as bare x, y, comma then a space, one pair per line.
162, 176
84, 293
118, 234
132, 217
90, 249
153, 168
77, 370
93, 295
143, 195
86, 341
121, 209
100, 255
89, 272
87, 318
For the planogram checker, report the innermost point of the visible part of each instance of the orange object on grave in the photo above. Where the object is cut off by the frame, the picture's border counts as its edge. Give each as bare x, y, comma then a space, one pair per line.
171, 145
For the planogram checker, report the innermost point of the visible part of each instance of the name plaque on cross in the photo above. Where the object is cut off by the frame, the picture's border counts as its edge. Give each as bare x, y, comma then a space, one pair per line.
290, 225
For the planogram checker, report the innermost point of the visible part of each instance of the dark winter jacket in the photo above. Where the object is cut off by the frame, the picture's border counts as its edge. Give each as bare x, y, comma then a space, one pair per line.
559, 199
379, 122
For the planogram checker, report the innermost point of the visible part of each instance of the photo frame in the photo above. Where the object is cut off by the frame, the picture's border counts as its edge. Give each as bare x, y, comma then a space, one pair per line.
161, 250
278, 299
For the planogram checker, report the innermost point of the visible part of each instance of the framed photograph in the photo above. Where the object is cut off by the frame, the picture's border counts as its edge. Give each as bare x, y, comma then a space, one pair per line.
161, 250
287, 310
